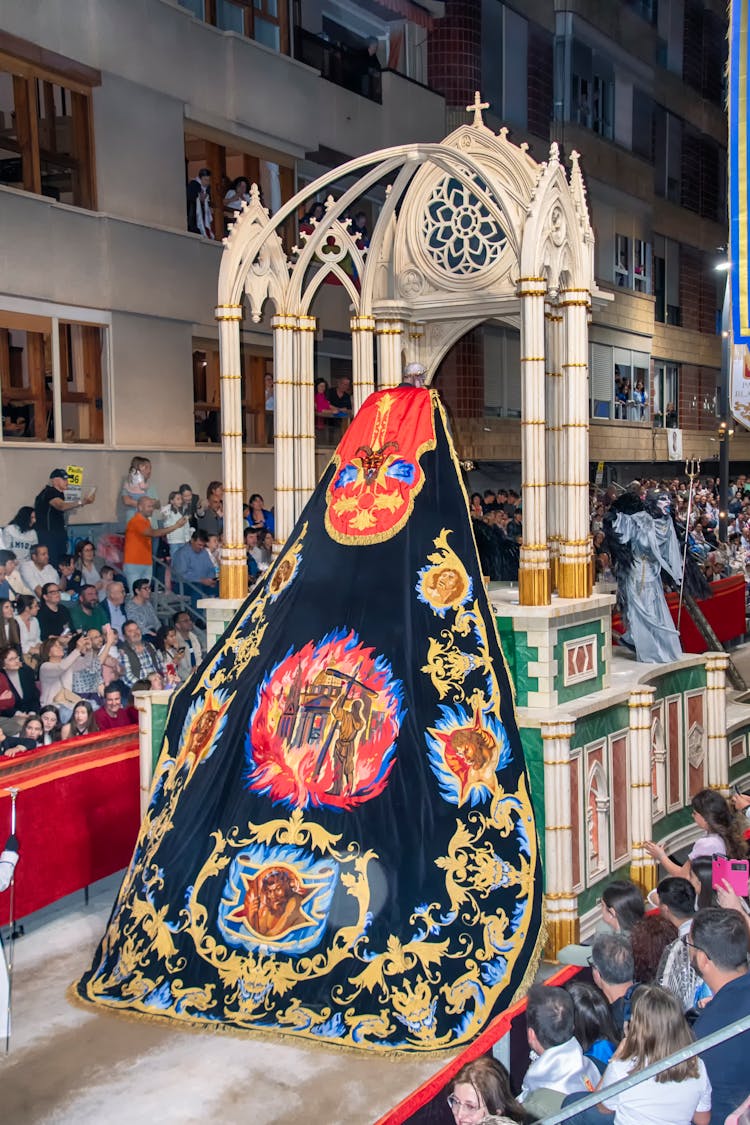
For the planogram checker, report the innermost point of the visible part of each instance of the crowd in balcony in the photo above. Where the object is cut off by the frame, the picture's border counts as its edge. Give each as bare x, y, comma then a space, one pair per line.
81, 631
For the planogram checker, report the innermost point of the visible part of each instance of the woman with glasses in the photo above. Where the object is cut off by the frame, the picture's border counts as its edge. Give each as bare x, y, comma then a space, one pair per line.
481, 1090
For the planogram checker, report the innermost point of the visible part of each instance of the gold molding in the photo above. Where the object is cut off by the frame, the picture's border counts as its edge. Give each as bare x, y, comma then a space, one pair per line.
534, 584
574, 579
533, 359
560, 932
233, 580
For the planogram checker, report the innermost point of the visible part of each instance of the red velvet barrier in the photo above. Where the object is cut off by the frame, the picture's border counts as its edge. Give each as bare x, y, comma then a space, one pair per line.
724, 611
77, 815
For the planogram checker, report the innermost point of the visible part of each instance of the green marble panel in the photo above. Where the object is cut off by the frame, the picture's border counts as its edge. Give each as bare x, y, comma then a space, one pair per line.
518, 654
586, 687
533, 750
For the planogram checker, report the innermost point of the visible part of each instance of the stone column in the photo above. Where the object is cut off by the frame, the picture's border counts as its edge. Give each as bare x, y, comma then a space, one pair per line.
560, 901
233, 570
389, 334
575, 546
555, 456
534, 572
640, 820
304, 413
717, 773
363, 360
284, 327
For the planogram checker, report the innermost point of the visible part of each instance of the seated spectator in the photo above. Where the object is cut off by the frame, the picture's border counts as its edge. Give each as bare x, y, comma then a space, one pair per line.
558, 1064
649, 939
9, 632
592, 1022
621, 906
70, 579
171, 652
138, 554
88, 612
139, 608
114, 606
480, 1088
614, 973
211, 521
340, 396
19, 697
192, 564
187, 638
84, 562
54, 618
30, 737
82, 721
139, 657
20, 535
50, 724
476, 506
719, 950
323, 408
27, 609
5, 590
238, 194
259, 516
113, 714
13, 577
676, 899
677, 1096
56, 672
37, 571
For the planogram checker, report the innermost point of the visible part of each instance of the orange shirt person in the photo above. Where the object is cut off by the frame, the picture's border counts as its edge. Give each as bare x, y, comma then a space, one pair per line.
138, 559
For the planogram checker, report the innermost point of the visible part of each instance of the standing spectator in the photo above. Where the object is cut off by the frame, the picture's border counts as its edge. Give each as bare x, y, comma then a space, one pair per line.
259, 516
88, 612
136, 485
177, 528
190, 504
19, 697
614, 973
20, 534
84, 563
51, 727
251, 548
139, 608
54, 618
27, 609
139, 657
113, 604
212, 519
192, 564
50, 508
138, 556
171, 652
82, 721
199, 214
113, 714
37, 570
558, 1064
719, 950
238, 194
9, 631
188, 639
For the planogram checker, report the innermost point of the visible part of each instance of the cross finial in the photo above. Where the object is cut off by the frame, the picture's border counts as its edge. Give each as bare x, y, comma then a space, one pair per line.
477, 106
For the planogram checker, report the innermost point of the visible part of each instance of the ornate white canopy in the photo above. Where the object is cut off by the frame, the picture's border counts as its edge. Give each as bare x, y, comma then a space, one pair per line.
471, 229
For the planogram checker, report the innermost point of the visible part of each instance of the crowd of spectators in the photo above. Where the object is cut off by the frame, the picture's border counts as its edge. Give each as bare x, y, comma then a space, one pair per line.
666, 972
78, 635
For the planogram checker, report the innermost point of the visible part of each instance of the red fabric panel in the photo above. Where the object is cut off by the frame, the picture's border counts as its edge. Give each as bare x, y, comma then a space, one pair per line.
77, 816
725, 613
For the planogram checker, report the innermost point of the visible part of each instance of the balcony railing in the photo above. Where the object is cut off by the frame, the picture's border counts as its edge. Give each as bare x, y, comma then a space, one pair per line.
340, 64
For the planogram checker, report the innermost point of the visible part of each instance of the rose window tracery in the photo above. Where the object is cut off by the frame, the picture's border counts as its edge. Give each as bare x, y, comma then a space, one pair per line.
460, 235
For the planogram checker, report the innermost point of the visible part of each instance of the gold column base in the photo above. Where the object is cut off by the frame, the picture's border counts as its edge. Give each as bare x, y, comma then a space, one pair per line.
574, 579
560, 932
233, 580
644, 873
554, 571
534, 586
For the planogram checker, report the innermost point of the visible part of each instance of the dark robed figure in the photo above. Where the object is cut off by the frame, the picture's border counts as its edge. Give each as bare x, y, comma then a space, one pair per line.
340, 842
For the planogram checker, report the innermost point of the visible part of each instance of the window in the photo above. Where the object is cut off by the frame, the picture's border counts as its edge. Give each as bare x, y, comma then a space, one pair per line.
51, 376
643, 125
667, 281
647, 9
262, 20
46, 137
668, 131
619, 384
632, 267
255, 366
592, 90
665, 394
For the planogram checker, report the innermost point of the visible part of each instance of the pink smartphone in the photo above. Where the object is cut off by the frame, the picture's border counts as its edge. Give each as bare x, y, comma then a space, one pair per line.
735, 871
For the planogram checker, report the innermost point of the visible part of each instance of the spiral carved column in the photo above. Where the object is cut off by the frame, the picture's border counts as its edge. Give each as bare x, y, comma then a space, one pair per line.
641, 819
575, 546
534, 570
363, 361
233, 569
